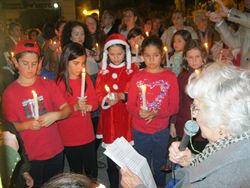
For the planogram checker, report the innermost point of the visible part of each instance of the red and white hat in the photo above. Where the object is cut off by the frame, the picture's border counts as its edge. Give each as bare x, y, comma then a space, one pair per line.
112, 40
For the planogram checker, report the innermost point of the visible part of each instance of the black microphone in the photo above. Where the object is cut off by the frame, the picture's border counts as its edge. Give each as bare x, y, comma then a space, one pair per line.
190, 129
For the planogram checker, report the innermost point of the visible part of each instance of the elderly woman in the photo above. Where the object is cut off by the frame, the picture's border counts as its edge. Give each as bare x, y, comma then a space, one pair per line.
221, 107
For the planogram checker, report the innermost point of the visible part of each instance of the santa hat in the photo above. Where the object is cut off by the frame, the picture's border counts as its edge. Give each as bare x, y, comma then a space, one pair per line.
27, 45
112, 40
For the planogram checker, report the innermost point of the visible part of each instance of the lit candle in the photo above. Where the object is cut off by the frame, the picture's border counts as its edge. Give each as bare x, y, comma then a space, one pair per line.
110, 95
166, 52
147, 34
36, 108
206, 46
137, 53
54, 42
12, 54
83, 83
197, 71
97, 45
143, 95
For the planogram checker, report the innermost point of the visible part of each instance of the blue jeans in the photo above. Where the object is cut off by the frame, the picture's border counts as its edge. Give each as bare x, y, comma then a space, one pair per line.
43, 170
153, 147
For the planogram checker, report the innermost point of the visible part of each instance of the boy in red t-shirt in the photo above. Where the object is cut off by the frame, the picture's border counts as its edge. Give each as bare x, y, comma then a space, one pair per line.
34, 105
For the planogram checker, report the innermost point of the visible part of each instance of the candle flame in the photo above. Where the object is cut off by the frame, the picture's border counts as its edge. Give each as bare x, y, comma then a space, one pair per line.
44, 78
206, 45
12, 54
137, 46
97, 45
83, 71
197, 71
147, 34
107, 88
54, 42
34, 93
165, 48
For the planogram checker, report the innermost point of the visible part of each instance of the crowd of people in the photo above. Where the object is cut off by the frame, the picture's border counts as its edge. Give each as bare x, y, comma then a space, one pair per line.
79, 84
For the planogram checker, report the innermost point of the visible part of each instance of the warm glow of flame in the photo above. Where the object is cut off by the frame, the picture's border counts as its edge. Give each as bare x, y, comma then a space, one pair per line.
206, 45
34, 93
197, 71
12, 54
165, 48
83, 71
147, 34
107, 88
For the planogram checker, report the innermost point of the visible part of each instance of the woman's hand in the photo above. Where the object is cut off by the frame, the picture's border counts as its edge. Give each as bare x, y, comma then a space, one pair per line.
182, 158
129, 179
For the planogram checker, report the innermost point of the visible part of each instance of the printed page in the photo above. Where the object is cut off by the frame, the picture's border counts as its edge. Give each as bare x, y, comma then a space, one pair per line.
123, 154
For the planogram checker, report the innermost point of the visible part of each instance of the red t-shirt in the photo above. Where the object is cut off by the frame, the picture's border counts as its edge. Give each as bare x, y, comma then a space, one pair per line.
162, 94
78, 129
17, 104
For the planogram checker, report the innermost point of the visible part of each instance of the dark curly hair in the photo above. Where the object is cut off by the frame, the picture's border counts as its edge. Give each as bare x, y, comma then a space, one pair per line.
67, 30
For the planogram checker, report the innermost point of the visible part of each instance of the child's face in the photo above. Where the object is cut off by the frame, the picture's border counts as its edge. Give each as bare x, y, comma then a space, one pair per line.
77, 35
27, 65
179, 43
136, 40
116, 54
152, 57
194, 58
75, 67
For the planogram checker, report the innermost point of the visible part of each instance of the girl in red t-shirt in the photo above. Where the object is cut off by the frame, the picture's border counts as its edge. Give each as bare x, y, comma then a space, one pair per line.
151, 109
77, 130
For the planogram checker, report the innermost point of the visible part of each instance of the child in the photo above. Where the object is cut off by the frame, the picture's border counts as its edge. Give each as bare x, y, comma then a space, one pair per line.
35, 116
135, 38
178, 20
114, 119
160, 101
77, 130
195, 56
179, 41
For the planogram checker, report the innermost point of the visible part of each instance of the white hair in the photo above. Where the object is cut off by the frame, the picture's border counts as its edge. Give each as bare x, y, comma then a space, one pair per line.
224, 93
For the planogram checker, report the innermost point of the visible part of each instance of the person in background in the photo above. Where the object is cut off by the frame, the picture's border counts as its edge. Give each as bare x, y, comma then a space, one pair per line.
195, 57
73, 31
152, 108
204, 29
130, 20
179, 41
35, 112
178, 24
135, 38
33, 34
77, 130
234, 39
108, 25
157, 27
148, 24
111, 88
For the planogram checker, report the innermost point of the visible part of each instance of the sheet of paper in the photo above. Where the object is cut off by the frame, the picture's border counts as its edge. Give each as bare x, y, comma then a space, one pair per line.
123, 154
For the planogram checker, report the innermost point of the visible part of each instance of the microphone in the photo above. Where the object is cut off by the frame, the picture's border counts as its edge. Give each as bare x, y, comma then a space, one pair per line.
190, 129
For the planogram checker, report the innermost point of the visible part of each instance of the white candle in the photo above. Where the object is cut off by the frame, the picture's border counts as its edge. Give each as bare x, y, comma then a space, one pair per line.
137, 53
83, 83
143, 95
110, 95
36, 108
166, 52
206, 46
